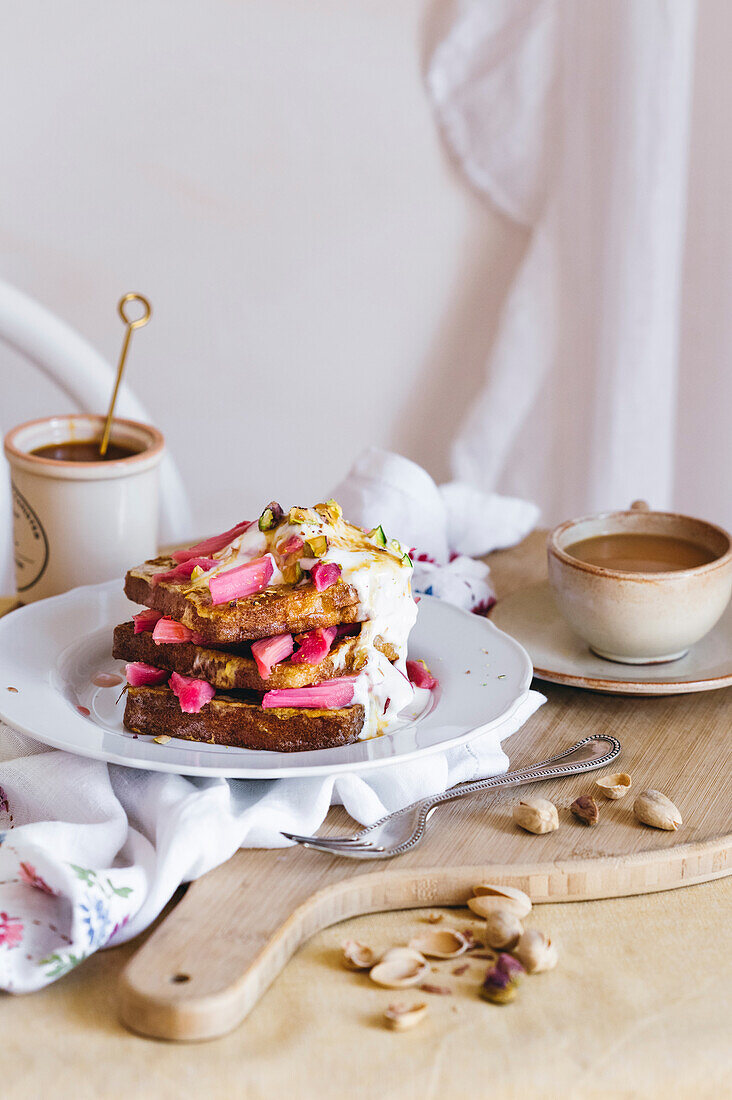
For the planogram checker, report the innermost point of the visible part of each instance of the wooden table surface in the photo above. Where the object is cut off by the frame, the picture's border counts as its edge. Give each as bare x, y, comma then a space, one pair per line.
639, 1006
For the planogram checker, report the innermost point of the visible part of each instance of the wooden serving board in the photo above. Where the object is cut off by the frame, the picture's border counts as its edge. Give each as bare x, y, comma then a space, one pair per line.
206, 965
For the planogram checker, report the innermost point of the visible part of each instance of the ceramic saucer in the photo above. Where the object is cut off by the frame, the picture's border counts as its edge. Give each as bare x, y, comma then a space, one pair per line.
560, 656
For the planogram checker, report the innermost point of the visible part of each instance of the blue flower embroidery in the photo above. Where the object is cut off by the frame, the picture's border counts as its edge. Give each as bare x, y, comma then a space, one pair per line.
97, 921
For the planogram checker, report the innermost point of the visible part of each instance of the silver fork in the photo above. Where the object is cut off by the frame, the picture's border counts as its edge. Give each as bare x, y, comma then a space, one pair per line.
402, 830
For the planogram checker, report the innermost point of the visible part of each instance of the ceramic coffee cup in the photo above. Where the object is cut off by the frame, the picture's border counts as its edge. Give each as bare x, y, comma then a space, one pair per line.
640, 617
81, 522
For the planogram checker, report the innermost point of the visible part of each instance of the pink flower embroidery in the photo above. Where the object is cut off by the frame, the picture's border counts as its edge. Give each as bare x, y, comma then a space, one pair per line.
30, 877
11, 931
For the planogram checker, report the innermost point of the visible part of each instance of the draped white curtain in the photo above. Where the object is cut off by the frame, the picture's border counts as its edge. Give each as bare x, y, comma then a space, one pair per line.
589, 122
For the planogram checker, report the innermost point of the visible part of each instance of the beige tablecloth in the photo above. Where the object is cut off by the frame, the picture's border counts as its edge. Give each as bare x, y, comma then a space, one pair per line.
639, 1006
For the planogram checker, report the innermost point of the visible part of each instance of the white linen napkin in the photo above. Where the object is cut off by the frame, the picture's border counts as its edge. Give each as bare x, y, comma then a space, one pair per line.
90, 852
443, 524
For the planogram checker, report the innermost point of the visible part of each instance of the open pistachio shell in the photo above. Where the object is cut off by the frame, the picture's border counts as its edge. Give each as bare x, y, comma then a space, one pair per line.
440, 943
487, 904
399, 968
400, 1017
614, 786
489, 890
356, 956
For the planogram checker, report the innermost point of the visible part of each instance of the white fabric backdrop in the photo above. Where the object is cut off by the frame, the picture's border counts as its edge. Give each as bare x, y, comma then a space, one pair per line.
607, 380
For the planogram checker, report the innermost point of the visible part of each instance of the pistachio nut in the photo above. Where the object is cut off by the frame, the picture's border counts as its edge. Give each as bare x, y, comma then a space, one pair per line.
654, 808
499, 987
508, 965
536, 815
586, 809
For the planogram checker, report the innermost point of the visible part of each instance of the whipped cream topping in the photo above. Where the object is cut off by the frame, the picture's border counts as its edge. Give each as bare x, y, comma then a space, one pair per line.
380, 575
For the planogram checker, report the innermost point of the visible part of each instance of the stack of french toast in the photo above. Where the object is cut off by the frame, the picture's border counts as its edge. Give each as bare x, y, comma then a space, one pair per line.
287, 633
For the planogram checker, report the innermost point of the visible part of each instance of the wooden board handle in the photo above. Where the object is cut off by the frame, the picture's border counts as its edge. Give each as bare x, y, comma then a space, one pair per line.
206, 966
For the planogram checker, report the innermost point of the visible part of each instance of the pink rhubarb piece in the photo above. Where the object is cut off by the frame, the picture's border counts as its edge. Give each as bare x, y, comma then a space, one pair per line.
169, 631
141, 675
184, 570
145, 620
212, 545
326, 696
315, 645
270, 651
325, 574
192, 694
244, 580
420, 675
291, 546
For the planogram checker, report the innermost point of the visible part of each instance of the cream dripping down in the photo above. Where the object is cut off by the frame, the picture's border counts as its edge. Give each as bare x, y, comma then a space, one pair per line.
381, 577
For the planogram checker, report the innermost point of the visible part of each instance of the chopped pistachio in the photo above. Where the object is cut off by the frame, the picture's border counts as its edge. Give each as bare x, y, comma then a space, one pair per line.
331, 510
317, 546
378, 535
270, 517
293, 573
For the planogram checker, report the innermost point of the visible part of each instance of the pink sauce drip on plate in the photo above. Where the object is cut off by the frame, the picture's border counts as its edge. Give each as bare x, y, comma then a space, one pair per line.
106, 679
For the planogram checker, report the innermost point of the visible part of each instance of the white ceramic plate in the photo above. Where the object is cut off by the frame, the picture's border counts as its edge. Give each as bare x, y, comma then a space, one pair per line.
51, 651
560, 656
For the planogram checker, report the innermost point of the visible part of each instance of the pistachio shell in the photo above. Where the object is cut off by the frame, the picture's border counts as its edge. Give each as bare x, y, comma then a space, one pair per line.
442, 943
614, 786
356, 956
536, 952
399, 968
654, 808
486, 904
488, 890
400, 1017
502, 929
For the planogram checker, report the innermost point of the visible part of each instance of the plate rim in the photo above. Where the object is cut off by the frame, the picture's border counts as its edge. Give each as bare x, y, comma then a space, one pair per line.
281, 770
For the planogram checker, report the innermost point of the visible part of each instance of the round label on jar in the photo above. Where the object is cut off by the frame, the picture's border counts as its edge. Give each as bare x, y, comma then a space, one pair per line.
30, 543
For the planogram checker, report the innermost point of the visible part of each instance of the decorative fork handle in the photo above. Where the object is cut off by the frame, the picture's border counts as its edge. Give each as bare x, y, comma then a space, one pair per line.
580, 758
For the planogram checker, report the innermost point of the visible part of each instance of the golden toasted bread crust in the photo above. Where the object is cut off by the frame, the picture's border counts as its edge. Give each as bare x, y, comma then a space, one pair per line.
278, 610
227, 669
241, 722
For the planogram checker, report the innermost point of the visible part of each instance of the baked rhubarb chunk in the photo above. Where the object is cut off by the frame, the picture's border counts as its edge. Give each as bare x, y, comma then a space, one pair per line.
282, 609
241, 722
237, 667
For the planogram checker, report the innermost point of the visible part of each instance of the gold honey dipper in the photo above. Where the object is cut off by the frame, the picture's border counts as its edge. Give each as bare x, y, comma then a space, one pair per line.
130, 324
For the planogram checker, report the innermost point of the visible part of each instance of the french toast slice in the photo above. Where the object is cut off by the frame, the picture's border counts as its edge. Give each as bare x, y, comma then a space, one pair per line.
241, 722
235, 668
277, 610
